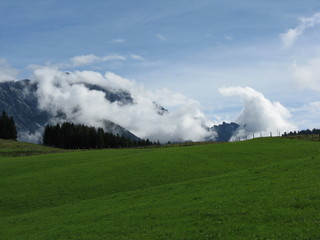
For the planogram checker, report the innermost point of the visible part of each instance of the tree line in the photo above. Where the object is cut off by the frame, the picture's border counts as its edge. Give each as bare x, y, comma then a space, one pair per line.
79, 136
302, 132
8, 128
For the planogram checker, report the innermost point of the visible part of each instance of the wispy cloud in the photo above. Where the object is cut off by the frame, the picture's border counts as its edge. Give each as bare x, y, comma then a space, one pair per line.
288, 38
136, 57
83, 60
6, 71
161, 37
118, 40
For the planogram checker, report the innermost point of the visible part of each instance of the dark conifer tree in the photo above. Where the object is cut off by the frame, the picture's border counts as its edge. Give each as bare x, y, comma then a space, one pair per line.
100, 138
47, 135
4, 125
7, 127
12, 133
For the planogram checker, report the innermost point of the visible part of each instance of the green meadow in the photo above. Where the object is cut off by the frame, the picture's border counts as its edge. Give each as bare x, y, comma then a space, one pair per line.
266, 188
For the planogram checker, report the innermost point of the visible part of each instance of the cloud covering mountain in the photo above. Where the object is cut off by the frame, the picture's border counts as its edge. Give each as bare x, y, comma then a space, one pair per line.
67, 92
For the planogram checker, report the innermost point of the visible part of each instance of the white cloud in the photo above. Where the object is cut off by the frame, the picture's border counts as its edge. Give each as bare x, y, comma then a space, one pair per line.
307, 116
308, 76
161, 37
83, 60
259, 114
288, 38
136, 57
113, 58
58, 91
229, 38
118, 40
117, 82
35, 137
7, 73
315, 107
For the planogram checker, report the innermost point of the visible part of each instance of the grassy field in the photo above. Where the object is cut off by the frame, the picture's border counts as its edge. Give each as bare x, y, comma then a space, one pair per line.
267, 188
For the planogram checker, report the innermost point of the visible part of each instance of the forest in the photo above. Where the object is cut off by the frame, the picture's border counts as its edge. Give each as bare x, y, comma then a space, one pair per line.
302, 132
79, 136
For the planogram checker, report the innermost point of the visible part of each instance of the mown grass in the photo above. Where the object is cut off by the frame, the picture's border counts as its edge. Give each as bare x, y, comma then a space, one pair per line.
265, 188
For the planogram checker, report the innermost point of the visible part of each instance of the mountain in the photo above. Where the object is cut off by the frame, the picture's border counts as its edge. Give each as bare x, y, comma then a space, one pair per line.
19, 100
116, 129
119, 96
225, 131
160, 110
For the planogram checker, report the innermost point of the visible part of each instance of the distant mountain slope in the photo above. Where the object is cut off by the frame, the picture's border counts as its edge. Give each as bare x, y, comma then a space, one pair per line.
19, 100
116, 129
225, 131
122, 97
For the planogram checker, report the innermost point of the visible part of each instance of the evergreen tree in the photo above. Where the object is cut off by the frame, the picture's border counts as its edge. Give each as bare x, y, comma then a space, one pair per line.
47, 135
100, 138
3, 125
7, 127
12, 133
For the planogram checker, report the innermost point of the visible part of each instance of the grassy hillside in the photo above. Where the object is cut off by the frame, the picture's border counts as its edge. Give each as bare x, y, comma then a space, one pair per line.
14, 149
266, 188
308, 137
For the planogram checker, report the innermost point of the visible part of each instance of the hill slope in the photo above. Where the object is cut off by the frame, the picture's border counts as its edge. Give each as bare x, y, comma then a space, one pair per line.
12, 148
258, 189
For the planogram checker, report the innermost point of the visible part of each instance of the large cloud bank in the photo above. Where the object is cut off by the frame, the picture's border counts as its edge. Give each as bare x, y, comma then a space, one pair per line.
59, 91
259, 115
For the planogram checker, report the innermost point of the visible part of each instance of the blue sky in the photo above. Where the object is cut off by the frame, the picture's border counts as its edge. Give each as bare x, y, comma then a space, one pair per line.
191, 47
